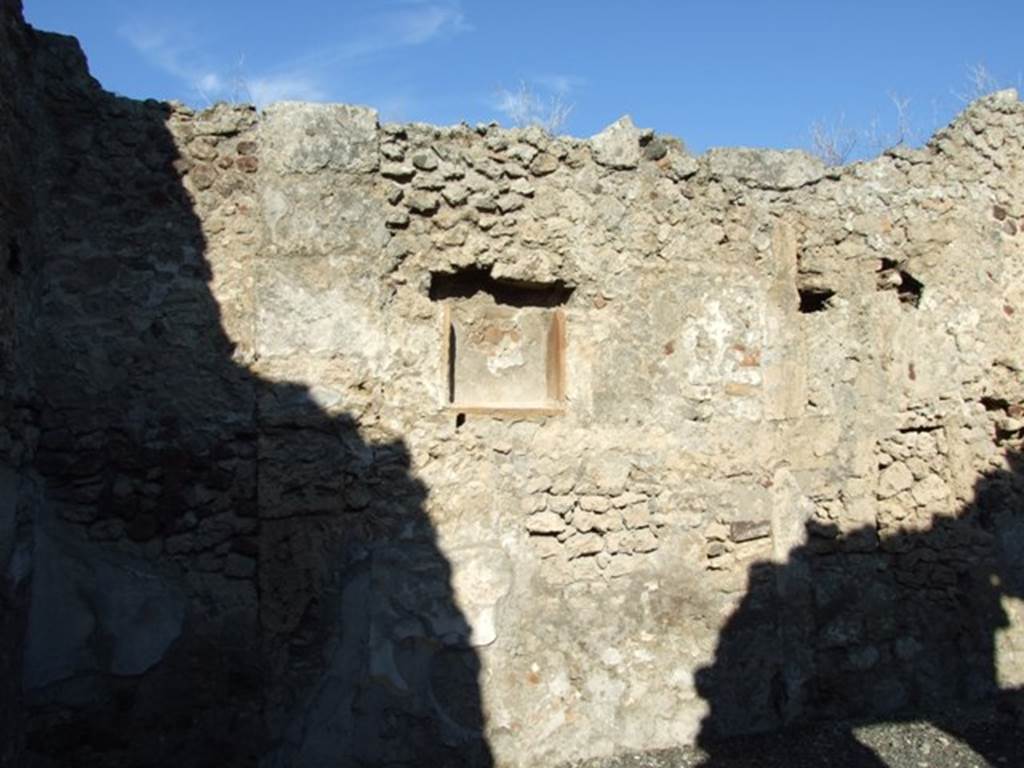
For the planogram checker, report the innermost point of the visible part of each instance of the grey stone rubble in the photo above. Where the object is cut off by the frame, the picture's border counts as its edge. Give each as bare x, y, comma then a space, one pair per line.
899, 744
771, 476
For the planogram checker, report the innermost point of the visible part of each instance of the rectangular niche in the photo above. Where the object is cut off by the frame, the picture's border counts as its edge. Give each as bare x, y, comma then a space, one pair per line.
504, 343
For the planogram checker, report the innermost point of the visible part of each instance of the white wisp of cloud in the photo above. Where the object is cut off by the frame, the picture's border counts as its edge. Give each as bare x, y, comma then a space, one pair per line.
304, 78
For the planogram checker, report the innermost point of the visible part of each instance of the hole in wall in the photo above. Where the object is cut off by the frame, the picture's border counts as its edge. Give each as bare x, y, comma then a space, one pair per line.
995, 403
910, 289
893, 277
919, 430
1005, 434
814, 299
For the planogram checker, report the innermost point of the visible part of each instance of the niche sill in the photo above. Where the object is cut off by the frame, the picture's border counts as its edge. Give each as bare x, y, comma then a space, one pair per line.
507, 411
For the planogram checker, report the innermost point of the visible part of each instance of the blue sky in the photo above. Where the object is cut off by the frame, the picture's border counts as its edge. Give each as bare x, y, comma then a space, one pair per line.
732, 72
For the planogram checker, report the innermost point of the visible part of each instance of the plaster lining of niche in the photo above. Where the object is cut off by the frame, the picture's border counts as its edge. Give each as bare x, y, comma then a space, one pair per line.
503, 344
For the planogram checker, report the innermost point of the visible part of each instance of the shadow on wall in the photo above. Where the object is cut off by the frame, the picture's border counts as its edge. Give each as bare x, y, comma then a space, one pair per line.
224, 574
874, 630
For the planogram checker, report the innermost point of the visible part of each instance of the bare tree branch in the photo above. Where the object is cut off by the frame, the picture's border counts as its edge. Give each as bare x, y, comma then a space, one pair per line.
833, 142
980, 82
524, 108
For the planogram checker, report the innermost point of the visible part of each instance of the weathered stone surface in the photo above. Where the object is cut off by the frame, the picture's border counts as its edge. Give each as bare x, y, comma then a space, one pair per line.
305, 138
425, 161
545, 522
584, 544
543, 164
766, 168
749, 530
618, 145
423, 203
895, 478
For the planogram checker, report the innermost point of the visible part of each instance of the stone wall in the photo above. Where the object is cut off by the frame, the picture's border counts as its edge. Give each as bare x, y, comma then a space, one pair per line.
741, 447
18, 113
